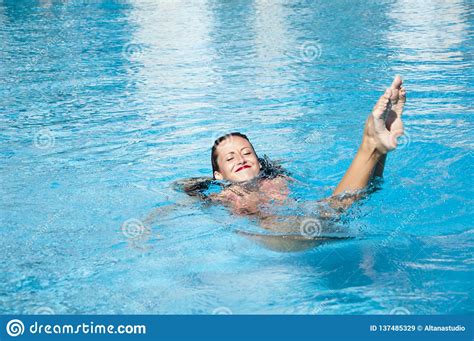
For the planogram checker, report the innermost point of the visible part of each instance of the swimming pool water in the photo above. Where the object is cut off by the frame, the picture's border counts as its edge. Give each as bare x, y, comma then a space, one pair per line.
105, 103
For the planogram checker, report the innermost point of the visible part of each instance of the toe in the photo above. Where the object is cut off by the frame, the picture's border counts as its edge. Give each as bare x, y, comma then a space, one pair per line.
382, 103
403, 94
397, 82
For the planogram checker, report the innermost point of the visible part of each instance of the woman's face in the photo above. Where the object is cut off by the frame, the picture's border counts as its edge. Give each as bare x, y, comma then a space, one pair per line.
237, 160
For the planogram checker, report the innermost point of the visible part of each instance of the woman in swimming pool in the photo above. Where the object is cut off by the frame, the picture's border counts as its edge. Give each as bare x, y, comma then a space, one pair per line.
254, 184
234, 159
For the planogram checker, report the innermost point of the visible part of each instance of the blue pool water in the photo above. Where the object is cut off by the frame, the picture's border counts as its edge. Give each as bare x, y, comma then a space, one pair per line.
104, 104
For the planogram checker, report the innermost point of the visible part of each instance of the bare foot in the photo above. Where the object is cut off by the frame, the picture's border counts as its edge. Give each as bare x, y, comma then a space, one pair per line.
393, 120
385, 124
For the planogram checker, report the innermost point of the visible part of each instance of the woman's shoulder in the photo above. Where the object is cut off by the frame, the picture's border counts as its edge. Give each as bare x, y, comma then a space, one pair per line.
281, 179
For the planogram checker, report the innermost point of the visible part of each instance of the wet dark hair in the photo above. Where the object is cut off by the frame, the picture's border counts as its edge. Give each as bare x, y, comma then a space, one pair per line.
202, 187
215, 165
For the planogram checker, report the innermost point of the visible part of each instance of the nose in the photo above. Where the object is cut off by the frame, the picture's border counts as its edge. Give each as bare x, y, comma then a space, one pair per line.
240, 159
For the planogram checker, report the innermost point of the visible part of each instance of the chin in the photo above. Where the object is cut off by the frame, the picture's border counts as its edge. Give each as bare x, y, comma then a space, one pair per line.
244, 177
